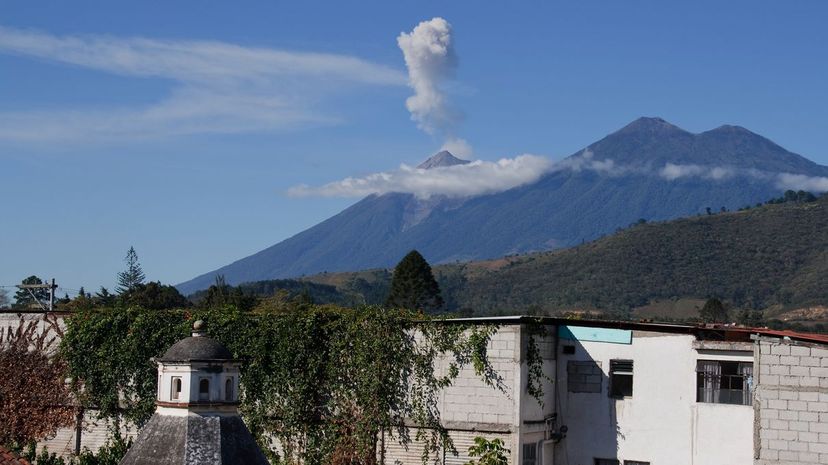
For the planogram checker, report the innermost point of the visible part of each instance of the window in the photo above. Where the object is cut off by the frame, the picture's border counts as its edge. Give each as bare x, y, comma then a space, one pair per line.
584, 377
175, 388
569, 350
228, 390
204, 389
530, 454
621, 378
721, 382
607, 462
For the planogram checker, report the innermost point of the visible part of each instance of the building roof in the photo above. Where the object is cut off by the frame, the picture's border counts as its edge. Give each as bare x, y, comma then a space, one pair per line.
194, 439
8, 457
701, 331
196, 348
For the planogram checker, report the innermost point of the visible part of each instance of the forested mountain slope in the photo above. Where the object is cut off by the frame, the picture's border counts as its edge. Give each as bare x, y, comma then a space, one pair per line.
649, 169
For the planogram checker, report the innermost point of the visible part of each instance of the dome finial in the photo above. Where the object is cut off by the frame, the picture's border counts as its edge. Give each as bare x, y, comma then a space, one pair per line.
199, 328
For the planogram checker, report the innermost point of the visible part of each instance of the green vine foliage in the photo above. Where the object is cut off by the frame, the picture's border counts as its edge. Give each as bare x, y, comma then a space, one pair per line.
325, 382
488, 452
534, 361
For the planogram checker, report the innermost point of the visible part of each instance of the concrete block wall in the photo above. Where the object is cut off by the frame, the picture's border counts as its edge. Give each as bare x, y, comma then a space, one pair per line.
469, 403
791, 400
94, 434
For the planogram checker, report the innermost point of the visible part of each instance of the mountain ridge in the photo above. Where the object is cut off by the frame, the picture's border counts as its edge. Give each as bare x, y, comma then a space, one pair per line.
610, 183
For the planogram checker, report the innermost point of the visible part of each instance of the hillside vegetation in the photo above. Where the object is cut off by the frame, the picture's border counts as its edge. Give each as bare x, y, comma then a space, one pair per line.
773, 257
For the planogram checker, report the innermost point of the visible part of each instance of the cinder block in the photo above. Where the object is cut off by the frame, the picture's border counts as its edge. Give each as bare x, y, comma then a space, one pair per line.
790, 360
788, 455
809, 381
789, 380
797, 405
818, 407
809, 396
778, 404
769, 434
808, 416
800, 350
788, 415
805, 436
789, 395
764, 349
820, 447
772, 394
810, 361
785, 370
770, 414
798, 426
778, 444
799, 371
771, 380
770, 360
808, 457
818, 371
769, 454
787, 436
779, 424
781, 349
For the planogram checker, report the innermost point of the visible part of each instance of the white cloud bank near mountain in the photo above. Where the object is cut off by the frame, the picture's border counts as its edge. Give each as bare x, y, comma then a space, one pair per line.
472, 179
485, 177
217, 87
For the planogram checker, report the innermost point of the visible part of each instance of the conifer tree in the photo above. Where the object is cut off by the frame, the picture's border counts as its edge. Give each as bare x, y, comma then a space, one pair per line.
713, 311
23, 298
413, 285
130, 278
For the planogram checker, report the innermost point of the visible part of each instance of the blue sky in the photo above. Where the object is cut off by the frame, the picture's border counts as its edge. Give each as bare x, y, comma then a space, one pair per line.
188, 152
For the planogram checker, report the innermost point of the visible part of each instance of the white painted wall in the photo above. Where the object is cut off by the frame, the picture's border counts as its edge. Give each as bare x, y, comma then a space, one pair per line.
661, 423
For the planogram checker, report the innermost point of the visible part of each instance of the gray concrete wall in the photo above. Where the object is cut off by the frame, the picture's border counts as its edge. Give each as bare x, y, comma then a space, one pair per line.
791, 401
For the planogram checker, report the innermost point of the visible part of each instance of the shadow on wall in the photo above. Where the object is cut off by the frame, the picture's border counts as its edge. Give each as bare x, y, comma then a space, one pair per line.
586, 400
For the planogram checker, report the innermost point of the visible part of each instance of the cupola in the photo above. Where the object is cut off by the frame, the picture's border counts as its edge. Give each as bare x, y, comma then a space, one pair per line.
196, 419
198, 373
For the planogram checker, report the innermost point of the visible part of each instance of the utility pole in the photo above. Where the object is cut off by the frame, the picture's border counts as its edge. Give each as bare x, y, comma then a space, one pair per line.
51, 286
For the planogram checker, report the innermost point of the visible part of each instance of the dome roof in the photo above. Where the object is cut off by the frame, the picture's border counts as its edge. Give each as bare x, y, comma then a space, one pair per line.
196, 348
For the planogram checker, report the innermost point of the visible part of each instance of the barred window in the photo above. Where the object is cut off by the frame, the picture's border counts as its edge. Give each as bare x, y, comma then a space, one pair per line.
724, 382
530, 454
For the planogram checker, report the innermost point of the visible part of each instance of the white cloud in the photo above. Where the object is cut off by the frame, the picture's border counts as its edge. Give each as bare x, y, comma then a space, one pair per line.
673, 171
217, 87
430, 58
801, 182
475, 178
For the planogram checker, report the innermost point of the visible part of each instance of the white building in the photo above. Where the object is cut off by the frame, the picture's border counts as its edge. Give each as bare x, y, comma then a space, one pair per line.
639, 393
621, 393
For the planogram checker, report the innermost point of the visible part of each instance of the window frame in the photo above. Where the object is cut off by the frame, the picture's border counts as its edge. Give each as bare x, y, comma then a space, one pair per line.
618, 368
176, 387
202, 395
715, 381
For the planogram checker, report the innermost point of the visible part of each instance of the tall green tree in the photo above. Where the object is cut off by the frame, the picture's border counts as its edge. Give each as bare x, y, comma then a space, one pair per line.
24, 299
413, 285
130, 278
713, 311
